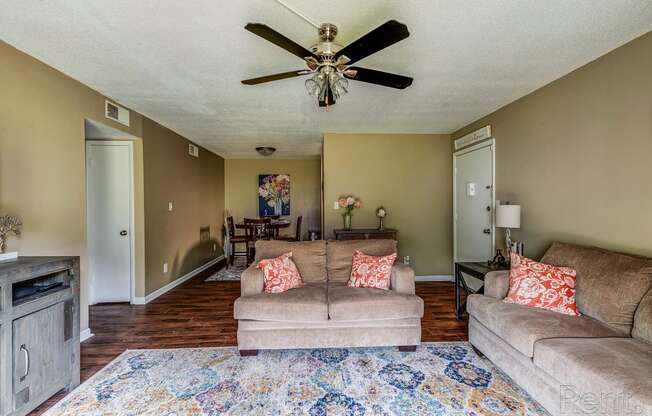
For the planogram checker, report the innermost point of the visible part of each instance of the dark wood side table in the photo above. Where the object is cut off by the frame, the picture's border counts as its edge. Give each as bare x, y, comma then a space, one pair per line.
366, 234
476, 269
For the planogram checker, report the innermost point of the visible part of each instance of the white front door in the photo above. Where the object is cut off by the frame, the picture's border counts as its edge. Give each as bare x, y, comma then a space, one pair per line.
474, 203
109, 202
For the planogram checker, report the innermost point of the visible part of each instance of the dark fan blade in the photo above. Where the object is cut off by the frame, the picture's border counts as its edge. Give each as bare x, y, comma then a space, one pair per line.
383, 36
275, 77
277, 39
378, 77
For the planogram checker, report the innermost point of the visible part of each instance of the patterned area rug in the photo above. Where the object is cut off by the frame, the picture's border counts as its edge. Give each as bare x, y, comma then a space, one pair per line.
228, 274
437, 379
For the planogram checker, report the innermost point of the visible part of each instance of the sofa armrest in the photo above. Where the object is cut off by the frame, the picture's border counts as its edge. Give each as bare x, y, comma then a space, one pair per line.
496, 284
251, 281
402, 279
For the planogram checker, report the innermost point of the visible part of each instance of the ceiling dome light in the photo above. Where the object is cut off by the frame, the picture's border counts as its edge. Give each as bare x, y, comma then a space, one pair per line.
265, 150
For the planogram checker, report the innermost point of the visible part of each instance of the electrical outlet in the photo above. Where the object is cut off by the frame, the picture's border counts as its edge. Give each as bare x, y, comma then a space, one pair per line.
406, 260
170, 206
165, 267
336, 205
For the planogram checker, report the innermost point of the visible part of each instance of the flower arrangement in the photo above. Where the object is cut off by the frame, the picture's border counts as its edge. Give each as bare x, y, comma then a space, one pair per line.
8, 225
275, 190
349, 203
381, 213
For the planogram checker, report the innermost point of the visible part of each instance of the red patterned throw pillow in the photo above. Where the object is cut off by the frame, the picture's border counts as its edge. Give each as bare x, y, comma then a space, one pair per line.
280, 273
371, 271
541, 285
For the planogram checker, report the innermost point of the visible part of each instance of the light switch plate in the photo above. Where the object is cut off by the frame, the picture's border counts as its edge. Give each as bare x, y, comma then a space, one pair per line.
165, 267
336, 205
170, 207
470, 189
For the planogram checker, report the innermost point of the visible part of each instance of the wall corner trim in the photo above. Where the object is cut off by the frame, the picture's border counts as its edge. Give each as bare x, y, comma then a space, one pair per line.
85, 334
434, 278
175, 283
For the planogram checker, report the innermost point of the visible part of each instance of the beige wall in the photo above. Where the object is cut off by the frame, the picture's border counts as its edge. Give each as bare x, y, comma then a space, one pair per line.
42, 172
410, 175
195, 186
577, 155
241, 189
42, 157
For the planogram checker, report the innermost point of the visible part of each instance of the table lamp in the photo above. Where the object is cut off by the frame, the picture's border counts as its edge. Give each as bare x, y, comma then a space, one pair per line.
508, 217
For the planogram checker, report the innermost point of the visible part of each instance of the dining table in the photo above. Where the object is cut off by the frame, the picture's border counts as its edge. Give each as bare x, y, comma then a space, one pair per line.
275, 225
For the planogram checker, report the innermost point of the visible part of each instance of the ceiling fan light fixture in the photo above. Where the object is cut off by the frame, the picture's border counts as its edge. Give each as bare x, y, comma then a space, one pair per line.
265, 150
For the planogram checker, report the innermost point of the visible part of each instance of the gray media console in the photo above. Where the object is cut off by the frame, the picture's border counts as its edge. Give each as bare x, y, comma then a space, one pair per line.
39, 331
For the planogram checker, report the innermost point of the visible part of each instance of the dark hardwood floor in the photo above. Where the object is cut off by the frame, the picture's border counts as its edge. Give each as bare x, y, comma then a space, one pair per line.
200, 314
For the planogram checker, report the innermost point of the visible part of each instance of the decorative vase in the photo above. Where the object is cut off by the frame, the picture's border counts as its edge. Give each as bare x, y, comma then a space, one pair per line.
381, 226
347, 221
278, 207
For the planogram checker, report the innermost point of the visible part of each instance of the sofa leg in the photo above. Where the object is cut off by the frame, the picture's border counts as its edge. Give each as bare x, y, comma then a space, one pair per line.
477, 351
248, 353
407, 348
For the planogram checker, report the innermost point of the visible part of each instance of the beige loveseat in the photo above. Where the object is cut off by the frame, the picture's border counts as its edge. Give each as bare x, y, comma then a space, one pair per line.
325, 312
597, 364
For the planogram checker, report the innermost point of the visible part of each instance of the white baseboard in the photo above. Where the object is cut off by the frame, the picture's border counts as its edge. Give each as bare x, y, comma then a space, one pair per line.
85, 334
434, 278
175, 283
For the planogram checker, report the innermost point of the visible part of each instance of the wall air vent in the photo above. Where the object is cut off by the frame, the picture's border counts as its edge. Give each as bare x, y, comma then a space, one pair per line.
473, 137
116, 113
193, 150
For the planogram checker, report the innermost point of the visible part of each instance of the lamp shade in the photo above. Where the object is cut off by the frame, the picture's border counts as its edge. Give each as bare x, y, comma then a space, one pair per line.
508, 216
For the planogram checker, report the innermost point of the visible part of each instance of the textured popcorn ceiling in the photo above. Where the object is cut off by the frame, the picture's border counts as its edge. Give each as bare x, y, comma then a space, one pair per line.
181, 62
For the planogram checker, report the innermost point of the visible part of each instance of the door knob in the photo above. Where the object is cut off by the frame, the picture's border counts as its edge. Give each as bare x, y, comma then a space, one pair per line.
487, 231
123, 232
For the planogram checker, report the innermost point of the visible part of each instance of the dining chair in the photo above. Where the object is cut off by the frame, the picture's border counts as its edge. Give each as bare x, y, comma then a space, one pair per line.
297, 234
234, 240
256, 229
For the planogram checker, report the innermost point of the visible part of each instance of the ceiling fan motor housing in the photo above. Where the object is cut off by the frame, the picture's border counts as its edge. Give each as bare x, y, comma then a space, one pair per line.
327, 47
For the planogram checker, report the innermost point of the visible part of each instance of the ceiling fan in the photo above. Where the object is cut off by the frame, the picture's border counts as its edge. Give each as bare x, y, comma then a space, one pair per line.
331, 63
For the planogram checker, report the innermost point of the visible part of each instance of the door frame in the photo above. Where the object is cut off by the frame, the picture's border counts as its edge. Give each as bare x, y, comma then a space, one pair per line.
491, 143
132, 225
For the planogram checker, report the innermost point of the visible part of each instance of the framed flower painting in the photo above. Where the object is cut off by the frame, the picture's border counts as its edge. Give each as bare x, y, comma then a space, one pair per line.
273, 195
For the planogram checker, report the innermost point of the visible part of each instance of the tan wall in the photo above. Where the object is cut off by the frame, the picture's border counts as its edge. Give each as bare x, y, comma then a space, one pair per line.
42, 157
241, 189
410, 175
576, 154
42, 173
195, 186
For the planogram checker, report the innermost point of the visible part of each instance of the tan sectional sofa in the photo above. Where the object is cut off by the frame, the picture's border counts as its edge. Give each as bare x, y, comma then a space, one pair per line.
325, 312
597, 364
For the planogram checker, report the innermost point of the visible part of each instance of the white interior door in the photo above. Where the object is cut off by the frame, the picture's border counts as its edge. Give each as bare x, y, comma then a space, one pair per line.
109, 213
474, 203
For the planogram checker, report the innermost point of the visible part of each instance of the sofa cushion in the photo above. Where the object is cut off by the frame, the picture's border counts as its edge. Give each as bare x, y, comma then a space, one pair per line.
522, 326
540, 285
340, 255
281, 274
306, 304
610, 285
643, 319
600, 366
309, 256
371, 271
357, 304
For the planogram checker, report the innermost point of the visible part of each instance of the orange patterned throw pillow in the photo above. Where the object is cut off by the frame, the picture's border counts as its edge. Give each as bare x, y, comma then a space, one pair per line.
280, 273
541, 285
371, 271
